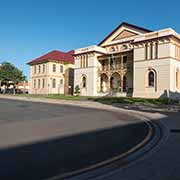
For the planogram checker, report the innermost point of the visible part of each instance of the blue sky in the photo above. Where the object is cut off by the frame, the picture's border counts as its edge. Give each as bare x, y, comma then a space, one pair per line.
30, 28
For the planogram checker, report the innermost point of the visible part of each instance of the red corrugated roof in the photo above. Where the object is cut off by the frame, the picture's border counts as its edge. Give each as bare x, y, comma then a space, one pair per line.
56, 56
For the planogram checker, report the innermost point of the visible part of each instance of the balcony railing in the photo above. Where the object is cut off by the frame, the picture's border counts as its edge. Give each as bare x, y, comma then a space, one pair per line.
113, 67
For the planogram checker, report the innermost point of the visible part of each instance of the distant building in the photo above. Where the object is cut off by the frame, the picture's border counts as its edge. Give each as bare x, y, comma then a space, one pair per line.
52, 73
131, 61
22, 87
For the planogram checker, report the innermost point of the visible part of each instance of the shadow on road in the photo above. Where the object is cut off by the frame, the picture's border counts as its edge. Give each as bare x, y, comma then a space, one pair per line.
57, 156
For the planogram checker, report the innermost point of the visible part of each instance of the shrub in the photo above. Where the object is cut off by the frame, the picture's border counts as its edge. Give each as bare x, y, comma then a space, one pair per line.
77, 90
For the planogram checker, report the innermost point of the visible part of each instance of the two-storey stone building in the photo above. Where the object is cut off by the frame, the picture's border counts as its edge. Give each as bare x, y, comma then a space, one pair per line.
52, 73
131, 61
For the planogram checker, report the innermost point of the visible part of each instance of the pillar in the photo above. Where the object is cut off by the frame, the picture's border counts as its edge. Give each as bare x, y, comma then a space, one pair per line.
122, 84
109, 64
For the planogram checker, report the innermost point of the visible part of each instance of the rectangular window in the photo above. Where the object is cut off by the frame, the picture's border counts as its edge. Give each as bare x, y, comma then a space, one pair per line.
61, 68
84, 61
39, 68
178, 53
34, 83
146, 51
61, 81
34, 69
151, 51
43, 83
44, 66
87, 61
54, 83
54, 67
124, 60
81, 62
103, 65
39, 83
156, 50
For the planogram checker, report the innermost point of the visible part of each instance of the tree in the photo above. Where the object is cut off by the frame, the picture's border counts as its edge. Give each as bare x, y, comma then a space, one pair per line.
9, 74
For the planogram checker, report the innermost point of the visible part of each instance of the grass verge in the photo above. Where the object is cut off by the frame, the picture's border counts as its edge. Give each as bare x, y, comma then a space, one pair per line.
107, 100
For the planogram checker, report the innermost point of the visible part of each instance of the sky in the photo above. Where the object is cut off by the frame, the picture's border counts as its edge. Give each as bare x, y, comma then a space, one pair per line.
31, 28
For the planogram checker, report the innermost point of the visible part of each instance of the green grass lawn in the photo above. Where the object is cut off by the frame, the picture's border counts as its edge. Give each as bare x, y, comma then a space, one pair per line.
63, 97
54, 96
106, 100
138, 101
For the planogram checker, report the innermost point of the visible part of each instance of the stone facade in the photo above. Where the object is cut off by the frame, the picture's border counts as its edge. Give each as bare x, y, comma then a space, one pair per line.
131, 61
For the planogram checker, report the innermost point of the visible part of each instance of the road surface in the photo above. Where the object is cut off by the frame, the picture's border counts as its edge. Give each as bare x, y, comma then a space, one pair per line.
39, 140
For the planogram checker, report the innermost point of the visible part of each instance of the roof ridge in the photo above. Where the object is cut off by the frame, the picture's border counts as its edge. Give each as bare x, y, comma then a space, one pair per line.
125, 24
55, 55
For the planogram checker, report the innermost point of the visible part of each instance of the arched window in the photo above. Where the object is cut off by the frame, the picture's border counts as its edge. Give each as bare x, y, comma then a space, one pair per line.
84, 82
103, 83
54, 83
151, 79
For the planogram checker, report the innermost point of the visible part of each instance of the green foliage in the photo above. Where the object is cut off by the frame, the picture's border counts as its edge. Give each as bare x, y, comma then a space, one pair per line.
77, 90
10, 74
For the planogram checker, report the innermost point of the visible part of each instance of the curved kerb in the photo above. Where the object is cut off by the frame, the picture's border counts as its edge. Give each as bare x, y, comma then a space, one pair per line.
117, 161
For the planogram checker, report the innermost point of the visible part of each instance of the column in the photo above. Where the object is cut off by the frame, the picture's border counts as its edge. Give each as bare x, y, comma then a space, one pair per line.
122, 84
109, 64
109, 84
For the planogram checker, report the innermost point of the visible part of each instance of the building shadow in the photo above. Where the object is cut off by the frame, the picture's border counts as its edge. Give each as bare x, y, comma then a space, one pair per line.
169, 101
64, 154
170, 95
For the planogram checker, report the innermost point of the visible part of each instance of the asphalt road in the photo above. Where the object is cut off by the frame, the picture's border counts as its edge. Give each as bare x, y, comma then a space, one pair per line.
39, 140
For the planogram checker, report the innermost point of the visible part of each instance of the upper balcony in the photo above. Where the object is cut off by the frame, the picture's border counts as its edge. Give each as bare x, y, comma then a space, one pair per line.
118, 63
114, 67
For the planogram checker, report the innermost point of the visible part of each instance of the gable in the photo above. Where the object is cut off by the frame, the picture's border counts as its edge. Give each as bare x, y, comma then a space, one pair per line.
124, 30
124, 34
